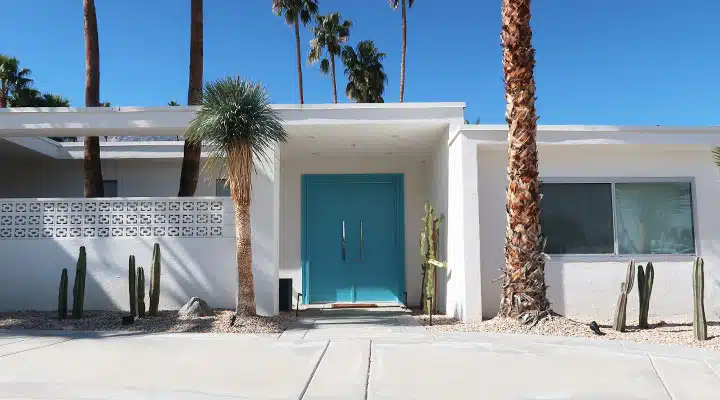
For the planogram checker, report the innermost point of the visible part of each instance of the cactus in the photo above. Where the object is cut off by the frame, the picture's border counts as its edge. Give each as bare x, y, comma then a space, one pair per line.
131, 287
428, 251
79, 287
140, 292
625, 288
699, 322
155, 282
62, 295
645, 283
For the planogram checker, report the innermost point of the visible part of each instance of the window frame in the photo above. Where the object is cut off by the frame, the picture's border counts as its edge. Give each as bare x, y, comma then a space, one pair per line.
615, 256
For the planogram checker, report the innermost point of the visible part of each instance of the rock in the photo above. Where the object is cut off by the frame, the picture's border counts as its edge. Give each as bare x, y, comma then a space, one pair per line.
196, 307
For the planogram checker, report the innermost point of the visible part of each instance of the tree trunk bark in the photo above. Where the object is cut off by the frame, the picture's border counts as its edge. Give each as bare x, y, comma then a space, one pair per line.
332, 75
239, 176
524, 282
93, 181
404, 50
190, 170
299, 63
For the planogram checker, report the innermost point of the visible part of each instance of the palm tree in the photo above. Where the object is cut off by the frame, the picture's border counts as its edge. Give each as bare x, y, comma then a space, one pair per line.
13, 79
296, 11
190, 170
364, 70
524, 278
330, 34
238, 126
394, 5
173, 103
29, 97
93, 181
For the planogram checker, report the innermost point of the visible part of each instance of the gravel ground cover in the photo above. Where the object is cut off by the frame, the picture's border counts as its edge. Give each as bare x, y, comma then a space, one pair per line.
167, 321
661, 332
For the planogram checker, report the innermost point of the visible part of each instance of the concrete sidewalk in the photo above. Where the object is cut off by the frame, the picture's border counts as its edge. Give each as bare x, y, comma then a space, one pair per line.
55, 365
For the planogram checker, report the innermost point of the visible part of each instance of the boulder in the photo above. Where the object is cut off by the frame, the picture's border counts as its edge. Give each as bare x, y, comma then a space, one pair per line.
196, 307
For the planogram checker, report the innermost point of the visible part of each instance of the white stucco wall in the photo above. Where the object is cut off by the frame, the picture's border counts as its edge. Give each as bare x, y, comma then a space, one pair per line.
195, 267
589, 287
46, 177
417, 190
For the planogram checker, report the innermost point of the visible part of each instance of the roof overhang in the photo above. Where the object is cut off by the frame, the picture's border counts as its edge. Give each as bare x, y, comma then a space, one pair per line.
172, 121
597, 135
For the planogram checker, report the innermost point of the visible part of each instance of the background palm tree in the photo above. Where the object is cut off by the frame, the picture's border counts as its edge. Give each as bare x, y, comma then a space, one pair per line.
364, 70
173, 103
93, 181
190, 170
238, 126
13, 79
296, 11
394, 5
330, 34
524, 278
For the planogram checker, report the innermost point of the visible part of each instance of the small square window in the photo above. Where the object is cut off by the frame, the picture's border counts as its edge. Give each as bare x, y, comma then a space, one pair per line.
221, 188
110, 187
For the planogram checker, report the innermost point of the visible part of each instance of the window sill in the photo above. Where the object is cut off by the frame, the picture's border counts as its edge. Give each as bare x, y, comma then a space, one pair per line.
641, 258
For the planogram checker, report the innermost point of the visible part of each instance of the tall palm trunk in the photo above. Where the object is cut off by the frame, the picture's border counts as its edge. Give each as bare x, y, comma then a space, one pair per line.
239, 175
332, 75
404, 50
524, 281
297, 51
93, 181
190, 170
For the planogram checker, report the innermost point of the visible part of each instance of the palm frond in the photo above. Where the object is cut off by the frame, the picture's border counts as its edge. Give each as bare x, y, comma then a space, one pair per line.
236, 113
716, 155
325, 66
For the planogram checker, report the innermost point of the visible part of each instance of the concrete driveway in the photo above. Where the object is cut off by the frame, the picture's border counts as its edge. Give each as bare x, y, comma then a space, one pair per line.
316, 360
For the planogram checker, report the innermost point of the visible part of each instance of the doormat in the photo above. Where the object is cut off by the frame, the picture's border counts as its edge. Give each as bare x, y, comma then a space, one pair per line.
354, 305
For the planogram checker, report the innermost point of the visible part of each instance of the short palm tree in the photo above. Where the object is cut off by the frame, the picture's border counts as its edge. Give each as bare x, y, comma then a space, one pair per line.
394, 4
524, 273
330, 34
296, 11
365, 73
237, 126
13, 79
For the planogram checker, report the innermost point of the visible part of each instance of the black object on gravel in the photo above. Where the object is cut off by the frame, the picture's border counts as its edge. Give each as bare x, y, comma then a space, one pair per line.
596, 329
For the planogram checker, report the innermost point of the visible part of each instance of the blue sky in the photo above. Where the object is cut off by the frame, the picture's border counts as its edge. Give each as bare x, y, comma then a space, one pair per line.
637, 62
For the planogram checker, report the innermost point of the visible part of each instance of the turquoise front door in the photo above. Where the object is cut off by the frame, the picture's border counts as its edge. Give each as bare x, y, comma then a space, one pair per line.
353, 238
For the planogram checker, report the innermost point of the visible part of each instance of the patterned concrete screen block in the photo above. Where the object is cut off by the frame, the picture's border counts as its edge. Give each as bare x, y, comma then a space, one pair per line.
115, 218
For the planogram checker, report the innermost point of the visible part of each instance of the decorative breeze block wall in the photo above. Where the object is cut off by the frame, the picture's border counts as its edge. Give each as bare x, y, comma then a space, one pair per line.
116, 218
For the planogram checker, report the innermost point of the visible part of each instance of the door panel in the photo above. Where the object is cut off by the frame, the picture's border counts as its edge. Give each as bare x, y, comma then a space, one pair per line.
329, 276
376, 258
372, 268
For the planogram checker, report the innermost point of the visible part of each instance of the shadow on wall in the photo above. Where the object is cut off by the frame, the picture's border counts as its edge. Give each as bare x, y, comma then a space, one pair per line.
31, 270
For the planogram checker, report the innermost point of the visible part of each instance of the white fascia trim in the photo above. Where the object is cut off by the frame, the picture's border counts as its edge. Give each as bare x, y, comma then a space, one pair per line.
559, 135
130, 150
168, 121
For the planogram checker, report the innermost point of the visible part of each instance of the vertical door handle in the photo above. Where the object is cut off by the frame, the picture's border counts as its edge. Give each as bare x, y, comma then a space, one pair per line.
362, 244
343, 243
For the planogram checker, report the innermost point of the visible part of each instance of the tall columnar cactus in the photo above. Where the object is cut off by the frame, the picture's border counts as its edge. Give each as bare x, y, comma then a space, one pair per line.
155, 282
79, 287
699, 322
428, 251
625, 288
645, 283
62, 295
140, 292
131, 287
